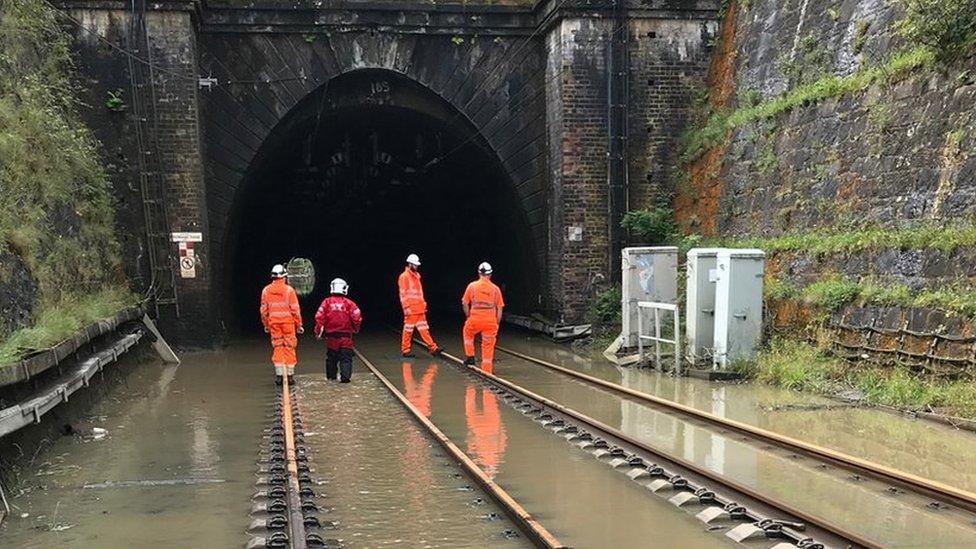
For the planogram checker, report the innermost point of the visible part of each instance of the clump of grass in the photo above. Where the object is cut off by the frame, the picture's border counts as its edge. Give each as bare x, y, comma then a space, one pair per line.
801, 366
59, 321
831, 293
913, 236
795, 365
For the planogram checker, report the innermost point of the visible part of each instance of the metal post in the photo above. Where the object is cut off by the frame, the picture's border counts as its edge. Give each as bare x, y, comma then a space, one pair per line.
657, 336
677, 341
640, 331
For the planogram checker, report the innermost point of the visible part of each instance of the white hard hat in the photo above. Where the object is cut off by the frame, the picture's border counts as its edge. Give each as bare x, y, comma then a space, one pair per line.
338, 286
484, 268
278, 271
413, 259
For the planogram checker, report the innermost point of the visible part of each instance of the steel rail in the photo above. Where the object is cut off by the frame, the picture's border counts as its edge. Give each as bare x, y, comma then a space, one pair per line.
794, 521
530, 525
296, 520
930, 488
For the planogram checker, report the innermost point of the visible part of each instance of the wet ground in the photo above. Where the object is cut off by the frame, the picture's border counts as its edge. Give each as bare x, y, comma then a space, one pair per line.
384, 479
177, 467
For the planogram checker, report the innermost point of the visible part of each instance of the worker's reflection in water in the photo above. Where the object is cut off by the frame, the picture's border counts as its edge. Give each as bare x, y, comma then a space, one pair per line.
486, 433
419, 393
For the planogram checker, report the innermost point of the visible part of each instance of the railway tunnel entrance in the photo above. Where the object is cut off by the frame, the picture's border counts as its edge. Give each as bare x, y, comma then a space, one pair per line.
366, 169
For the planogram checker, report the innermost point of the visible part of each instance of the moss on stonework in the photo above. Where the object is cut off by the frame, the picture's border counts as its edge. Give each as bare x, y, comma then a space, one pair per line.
55, 197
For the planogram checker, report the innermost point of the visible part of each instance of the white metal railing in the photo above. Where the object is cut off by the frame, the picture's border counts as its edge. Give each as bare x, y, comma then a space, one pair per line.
656, 338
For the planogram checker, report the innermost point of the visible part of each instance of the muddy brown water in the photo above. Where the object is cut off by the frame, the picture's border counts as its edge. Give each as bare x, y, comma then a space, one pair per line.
582, 501
889, 439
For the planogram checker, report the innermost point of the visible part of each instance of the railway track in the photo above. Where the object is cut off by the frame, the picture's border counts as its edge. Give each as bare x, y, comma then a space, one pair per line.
528, 524
942, 496
740, 512
286, 507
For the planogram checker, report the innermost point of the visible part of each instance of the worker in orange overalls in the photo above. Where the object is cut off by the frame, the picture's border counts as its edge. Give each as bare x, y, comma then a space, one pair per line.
282, 318
482, 303
486, 432
414, 308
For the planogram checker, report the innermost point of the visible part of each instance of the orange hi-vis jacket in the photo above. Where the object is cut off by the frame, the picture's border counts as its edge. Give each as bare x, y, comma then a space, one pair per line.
279, 305
484, 298
411, 292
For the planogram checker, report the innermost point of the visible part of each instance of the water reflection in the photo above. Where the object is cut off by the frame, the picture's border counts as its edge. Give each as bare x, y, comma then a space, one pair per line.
418, 393
486, 432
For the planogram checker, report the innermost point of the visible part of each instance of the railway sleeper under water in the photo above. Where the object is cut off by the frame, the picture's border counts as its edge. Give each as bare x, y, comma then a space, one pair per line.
270, 511
715, 506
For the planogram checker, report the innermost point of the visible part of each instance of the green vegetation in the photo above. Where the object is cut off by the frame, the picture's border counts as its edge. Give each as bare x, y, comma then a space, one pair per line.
61, 320
832, 292
605, 309
698, 140
653, 226
915, 236
948, 27
801, 366
860, 35
55, 198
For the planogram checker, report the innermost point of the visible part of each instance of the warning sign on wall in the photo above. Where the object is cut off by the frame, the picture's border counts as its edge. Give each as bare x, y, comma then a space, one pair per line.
188, 260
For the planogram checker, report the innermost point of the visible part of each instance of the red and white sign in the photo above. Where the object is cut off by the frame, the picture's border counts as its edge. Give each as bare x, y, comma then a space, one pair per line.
188, 260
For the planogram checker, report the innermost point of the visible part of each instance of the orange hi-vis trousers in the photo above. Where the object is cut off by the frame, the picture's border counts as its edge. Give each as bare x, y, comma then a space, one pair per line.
488, 328
420, 323
283, 344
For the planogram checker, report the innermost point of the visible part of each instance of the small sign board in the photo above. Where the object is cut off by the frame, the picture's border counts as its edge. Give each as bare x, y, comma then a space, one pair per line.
186, 237
188, 260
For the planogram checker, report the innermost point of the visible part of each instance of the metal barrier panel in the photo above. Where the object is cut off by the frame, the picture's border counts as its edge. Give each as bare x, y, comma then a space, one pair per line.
648, 274
657, 339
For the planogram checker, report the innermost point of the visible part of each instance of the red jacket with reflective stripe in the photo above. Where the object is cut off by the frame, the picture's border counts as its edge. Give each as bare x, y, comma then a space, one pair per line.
279, 304
338, 315
411, 292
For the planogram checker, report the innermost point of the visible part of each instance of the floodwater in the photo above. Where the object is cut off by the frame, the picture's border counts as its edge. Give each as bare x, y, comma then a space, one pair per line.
177, 467
892, 520
580, 500
924, 448
386, 480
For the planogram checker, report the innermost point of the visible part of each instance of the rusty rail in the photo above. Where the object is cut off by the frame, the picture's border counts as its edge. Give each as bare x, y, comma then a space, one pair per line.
930, 488
296, 519
528, 523
794, 523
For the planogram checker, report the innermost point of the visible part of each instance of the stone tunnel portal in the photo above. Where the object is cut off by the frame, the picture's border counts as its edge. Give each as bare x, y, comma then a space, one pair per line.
366, 169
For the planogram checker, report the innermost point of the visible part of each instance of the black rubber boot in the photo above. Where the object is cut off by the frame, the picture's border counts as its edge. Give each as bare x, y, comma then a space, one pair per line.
438, 351
409, 354
278, 380
345, 381
469, 361
291, 380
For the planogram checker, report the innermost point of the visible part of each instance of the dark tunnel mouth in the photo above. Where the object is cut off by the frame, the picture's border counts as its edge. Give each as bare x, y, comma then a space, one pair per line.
356, 186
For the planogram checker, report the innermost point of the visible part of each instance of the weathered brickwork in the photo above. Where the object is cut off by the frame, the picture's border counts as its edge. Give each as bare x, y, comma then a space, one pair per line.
534, 96
173, 40
668, 62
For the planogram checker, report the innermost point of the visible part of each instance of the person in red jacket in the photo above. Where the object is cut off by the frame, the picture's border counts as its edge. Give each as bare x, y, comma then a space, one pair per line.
337, 319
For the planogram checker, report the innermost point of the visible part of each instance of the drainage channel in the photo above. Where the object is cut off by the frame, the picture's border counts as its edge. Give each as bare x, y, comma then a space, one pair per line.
738, 511
529, 525
936, 495
286, 505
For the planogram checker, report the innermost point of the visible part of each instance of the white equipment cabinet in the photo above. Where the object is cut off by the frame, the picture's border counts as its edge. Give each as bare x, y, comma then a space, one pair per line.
649, 274
700, 303
738, 305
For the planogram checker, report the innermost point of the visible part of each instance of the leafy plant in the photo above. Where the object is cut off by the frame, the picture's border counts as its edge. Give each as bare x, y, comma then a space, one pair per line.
114, 101
653, 226
605, 309
946, 26
860, 35
457, 40
831, 293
